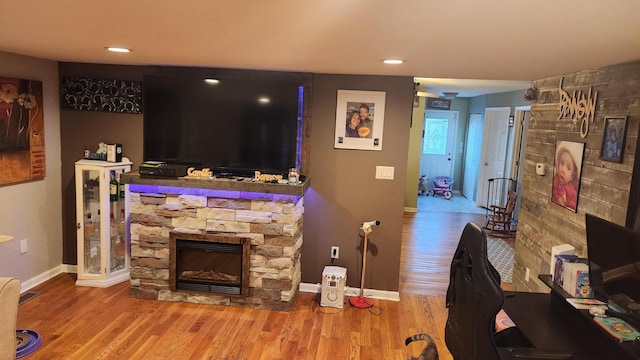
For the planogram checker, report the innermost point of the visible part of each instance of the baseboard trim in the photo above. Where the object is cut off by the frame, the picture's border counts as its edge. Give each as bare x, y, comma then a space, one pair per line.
351, 291
47, 275
410, 209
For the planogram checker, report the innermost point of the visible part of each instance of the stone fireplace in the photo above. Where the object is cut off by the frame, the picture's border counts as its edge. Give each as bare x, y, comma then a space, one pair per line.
256, 228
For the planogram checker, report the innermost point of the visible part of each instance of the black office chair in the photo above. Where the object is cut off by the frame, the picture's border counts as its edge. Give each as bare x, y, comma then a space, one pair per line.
474, 298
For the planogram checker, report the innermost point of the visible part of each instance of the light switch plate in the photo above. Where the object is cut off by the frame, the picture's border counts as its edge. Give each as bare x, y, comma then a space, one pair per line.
385, 172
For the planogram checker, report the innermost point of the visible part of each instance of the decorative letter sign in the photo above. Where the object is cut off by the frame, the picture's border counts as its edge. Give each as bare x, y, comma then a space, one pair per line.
579, 106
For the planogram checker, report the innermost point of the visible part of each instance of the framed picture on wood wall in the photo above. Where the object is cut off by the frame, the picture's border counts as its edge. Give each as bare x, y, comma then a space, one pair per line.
613, 136
567, 172
359, 120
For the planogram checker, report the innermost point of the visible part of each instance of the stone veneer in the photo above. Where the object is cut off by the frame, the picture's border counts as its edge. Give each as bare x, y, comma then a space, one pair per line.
273, 222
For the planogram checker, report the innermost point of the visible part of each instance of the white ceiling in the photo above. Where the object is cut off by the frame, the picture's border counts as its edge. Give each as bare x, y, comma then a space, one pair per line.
452, 39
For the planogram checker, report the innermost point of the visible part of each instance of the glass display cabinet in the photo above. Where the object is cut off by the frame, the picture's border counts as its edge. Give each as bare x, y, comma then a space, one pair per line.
101, 223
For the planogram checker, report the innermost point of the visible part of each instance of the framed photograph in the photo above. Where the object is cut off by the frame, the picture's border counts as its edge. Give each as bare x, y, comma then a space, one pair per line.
613, 135
359, 120
566, 174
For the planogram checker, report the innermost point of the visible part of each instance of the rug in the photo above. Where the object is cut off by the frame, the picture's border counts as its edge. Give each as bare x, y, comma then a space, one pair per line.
500, 255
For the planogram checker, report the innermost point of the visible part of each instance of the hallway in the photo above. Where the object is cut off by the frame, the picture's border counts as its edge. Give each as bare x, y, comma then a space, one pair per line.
429, 239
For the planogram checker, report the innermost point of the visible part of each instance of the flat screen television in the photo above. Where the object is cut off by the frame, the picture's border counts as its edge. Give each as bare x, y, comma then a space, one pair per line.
614, 264
245, 121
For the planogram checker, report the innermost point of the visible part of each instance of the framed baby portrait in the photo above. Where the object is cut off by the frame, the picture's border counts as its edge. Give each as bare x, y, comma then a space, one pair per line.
613, 135
567, 171
359, 120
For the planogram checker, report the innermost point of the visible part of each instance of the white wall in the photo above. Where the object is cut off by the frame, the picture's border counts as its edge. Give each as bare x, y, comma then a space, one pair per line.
32, 210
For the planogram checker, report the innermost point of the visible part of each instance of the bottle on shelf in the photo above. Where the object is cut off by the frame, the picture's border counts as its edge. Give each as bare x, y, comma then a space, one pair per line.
86, 152
121, 189
113, 187
88, 225
96, 223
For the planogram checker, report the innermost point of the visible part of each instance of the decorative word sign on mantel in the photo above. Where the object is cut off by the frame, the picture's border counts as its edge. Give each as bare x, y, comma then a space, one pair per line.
578, 107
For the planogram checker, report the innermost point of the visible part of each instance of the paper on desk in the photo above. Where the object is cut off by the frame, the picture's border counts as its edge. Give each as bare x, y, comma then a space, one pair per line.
584, 304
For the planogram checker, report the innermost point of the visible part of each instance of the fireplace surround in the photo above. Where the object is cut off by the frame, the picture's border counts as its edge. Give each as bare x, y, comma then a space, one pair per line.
267, 217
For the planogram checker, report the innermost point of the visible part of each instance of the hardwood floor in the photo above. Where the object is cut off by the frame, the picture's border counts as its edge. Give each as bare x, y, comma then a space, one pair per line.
92, 323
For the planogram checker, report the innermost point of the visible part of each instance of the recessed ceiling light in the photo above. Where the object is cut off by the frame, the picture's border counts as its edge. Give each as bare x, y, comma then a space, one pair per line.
212, 81
118, 49
393, 61
264, 100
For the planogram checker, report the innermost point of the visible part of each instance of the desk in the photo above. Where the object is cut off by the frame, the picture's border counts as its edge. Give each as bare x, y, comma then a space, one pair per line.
550, 322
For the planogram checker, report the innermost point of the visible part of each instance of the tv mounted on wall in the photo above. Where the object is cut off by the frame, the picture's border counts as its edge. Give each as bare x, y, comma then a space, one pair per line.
231, 121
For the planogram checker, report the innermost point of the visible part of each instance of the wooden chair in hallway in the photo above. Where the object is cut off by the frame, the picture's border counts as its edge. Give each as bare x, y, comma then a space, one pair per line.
499, 217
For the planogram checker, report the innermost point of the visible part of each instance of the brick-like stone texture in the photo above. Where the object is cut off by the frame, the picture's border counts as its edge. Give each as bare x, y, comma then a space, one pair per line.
272, 222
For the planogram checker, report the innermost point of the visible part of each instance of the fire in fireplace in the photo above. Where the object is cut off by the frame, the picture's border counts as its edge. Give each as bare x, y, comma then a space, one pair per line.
211, 263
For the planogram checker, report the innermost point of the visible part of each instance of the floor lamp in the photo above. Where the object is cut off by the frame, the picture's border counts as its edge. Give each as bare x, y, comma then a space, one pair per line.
360, 301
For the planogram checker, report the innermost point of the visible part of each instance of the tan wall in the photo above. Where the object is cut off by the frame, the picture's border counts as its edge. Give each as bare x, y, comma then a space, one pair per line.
604, 189
413, 158
344, 191
31, 210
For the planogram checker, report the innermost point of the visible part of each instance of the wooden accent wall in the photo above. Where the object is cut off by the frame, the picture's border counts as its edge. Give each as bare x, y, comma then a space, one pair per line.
605, 186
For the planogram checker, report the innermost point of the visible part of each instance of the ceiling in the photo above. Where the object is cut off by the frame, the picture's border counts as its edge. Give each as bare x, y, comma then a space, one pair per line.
453, 39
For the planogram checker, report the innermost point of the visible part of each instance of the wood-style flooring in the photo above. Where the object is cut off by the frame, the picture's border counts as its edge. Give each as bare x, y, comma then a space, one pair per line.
92, 323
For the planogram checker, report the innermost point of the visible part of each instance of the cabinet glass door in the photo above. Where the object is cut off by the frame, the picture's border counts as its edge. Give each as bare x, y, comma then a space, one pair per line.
92, 219
117, 236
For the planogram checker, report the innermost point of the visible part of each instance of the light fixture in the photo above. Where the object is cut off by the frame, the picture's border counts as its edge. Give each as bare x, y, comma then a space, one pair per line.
449, 95
264, 100
118, 49
393, 61
212, 81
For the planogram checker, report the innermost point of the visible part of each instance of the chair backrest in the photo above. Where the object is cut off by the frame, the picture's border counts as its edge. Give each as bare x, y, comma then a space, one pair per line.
511, 202
474, 297
9, 298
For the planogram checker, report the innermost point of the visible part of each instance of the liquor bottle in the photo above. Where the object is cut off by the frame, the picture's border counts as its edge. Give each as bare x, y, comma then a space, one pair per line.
121, 225
121, 189
96, 223
113, 187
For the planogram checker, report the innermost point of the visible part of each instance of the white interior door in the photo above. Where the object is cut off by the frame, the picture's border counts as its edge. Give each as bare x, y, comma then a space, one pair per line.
472, 156
438, 143
495, 136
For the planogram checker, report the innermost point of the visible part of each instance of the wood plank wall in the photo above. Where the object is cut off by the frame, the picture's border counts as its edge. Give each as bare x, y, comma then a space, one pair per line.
604, 187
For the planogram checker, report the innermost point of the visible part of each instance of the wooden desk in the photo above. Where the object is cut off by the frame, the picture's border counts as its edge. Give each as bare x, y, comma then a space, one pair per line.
550, 322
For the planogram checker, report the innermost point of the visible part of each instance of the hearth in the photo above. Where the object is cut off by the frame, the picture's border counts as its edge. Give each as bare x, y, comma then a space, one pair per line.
209, 263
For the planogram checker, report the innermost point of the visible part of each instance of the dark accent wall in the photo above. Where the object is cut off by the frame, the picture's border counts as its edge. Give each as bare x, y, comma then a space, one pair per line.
344, 191
80, 129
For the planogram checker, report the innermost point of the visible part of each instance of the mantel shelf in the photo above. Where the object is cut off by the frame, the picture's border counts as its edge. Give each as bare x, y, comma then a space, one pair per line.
134, 177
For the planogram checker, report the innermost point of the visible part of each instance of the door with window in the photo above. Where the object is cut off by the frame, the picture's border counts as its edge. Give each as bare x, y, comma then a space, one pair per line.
438, 143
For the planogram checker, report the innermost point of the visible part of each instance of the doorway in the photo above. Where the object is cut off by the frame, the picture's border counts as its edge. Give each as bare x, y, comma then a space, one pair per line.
438, 141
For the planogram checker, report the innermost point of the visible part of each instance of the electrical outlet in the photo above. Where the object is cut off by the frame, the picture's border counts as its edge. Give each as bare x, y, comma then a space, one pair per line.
23, 246
335, 252
527, 274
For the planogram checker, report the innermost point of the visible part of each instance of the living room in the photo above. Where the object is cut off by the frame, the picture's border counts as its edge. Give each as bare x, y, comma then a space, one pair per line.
338, 200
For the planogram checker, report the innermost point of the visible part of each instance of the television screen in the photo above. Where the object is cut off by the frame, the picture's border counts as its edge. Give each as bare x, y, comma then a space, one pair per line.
614, 259
238, 124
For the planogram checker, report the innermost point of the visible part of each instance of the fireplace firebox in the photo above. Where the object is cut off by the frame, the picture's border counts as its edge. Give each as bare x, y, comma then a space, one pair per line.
210, 263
